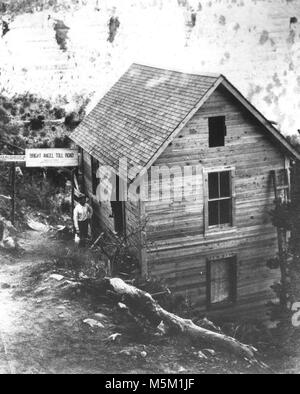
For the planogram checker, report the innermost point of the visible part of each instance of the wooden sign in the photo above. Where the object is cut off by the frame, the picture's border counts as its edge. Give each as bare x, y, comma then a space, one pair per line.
12, 158
56, 157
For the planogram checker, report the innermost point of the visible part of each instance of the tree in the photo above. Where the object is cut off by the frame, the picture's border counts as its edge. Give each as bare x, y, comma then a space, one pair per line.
286, 219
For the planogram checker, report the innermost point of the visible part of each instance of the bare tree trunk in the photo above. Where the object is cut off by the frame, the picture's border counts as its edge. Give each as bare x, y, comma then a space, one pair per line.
142, 303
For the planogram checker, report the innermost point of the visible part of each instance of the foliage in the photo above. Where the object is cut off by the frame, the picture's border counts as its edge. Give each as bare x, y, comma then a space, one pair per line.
37, 194
80, 263
72, 120
4, 116
37, 123
286, 218
27, 120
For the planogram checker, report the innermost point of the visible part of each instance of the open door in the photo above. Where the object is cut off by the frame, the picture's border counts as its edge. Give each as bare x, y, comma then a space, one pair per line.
118, 210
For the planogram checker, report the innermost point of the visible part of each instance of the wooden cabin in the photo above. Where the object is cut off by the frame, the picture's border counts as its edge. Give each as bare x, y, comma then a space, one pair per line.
209, 233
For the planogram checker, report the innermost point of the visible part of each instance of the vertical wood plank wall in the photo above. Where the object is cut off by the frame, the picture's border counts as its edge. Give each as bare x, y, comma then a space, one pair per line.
179, 247
103, 215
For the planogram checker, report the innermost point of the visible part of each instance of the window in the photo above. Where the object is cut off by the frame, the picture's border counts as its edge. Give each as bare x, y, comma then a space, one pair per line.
217, 131
94, 169
221, 281
219, 198
118, 209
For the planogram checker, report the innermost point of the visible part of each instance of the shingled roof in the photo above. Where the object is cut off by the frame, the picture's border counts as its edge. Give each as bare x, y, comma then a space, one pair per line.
145, 108
139, 113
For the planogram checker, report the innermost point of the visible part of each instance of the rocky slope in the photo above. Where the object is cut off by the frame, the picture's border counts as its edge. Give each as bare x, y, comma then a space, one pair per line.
66, 49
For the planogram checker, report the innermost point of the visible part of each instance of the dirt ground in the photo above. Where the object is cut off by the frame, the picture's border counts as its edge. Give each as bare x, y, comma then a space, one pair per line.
42, 328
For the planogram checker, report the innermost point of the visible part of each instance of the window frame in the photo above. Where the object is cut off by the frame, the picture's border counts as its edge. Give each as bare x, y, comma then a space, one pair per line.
209, 130
233, 285
219, 227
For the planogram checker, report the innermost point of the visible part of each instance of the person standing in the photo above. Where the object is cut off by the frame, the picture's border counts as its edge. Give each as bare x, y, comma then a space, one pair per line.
82, 214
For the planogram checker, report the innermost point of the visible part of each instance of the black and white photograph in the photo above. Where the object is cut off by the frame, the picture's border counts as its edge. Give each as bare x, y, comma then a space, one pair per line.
149, 189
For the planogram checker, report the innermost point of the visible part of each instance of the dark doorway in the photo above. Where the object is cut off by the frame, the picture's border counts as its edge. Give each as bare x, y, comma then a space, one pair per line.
118, 209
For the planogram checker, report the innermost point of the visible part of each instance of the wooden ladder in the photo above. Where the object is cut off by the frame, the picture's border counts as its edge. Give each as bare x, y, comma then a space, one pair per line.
281, 184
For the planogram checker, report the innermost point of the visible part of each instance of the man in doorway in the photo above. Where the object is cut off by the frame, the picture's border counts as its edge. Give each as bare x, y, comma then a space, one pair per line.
83, 212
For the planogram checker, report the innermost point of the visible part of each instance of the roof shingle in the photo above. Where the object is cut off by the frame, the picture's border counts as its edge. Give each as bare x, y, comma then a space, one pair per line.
139, 113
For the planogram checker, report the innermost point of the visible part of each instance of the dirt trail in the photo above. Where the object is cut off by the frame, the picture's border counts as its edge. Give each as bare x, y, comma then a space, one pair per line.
43, 333
42, 328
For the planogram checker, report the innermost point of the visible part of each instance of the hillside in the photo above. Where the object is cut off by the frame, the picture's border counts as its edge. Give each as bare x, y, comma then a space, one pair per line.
63, 50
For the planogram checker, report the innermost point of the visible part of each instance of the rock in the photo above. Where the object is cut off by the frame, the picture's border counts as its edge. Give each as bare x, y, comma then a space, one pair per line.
56, 277
181, 370
101, 316
9, 243
209, 352
40, 291
201, 355
126, 352
161, 328
122, 306
37, 226
93, 323
134, 352
272, 324
113, 337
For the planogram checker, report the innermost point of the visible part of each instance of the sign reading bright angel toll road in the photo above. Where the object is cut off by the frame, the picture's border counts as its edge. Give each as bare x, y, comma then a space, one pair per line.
56, 157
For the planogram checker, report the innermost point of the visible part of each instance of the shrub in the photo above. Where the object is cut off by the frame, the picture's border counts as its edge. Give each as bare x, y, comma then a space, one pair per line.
72, 120
38, 194
62, 142
65, 206
59, 113
37, 123
4, 116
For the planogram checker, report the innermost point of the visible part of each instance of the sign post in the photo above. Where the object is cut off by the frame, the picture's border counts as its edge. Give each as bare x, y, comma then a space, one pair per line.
13, 192
56, 157
13, 159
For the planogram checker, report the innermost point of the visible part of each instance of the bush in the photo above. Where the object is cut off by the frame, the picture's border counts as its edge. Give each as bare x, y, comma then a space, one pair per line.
38, 195
72, 120
37, 123
65, 207
4, 116
62, 142
59, 113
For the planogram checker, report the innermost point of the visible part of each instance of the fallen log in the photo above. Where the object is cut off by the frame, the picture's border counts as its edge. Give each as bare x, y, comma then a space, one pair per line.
142, 303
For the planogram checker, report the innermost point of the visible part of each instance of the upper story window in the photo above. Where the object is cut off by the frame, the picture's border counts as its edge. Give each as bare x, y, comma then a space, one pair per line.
219, 198
216, 131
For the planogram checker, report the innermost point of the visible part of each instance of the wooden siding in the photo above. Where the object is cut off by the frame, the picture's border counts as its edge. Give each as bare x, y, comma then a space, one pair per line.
180, 247
103, 216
